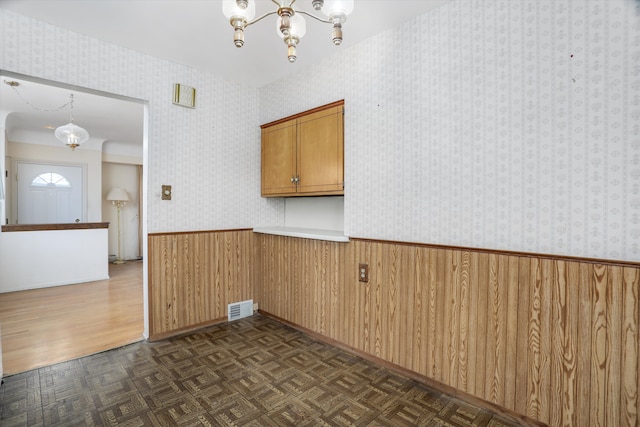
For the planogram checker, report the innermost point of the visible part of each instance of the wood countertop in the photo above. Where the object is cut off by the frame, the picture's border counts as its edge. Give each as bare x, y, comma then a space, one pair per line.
46, 227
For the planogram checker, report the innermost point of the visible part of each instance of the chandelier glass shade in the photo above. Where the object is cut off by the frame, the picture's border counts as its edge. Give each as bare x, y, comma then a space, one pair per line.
290, 25
71, 134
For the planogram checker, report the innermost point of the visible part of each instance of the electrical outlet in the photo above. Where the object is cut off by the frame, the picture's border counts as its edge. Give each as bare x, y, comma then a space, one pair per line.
166, 192
363, 272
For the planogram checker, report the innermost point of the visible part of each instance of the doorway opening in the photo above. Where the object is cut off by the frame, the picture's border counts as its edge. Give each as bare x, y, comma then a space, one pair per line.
28, 141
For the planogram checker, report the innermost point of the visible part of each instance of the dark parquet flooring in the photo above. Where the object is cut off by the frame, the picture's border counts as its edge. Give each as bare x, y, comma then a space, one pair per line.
252, 372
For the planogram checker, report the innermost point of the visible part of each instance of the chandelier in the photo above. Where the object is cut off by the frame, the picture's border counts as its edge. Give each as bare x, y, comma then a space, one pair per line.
71, 134
290, 25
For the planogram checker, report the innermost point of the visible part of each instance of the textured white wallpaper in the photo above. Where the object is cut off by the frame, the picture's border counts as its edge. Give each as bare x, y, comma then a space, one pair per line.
210, 155
486, 123
490, 123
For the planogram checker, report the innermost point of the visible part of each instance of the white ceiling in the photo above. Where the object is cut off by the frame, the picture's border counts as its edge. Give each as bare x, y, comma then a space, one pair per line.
195, 33
34, 110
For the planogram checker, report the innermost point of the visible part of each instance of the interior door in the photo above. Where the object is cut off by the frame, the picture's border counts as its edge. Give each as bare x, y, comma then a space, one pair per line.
49, 194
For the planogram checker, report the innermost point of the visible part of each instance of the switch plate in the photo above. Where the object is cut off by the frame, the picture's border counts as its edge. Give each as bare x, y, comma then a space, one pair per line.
363, 273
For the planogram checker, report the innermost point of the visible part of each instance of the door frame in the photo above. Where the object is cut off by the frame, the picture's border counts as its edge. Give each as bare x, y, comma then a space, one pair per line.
144, 201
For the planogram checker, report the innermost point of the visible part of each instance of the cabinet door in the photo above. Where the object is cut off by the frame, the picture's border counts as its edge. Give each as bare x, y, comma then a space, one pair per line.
279, 159
321, 152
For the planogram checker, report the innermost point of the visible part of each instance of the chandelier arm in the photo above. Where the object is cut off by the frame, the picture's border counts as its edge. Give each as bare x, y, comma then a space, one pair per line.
277, 3
314, 17
260, 18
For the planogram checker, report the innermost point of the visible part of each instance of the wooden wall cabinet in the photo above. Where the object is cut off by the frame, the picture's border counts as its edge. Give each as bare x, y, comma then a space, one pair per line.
303, 155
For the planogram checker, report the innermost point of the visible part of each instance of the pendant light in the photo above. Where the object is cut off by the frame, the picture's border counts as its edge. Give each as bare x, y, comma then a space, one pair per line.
71, 134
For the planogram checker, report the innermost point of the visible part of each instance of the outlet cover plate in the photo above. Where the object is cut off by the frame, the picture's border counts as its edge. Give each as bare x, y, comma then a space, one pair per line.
363, 272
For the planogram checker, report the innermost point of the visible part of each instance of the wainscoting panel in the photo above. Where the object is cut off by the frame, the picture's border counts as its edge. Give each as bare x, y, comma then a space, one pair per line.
194, 276
555, 339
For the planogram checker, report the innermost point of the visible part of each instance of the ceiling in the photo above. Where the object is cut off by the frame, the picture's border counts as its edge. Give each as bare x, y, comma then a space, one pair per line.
194, 33
35, 108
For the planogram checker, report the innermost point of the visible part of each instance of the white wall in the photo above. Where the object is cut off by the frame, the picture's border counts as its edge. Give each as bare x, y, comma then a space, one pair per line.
3, 183
38, 259
323, 213
495, 124
210, 155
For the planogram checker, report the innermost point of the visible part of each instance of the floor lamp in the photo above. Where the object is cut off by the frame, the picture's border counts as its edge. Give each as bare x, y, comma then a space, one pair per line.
119, 198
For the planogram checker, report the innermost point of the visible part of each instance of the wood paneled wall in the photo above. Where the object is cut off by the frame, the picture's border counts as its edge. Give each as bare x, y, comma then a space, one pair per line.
553, 339
194, 276
556, 340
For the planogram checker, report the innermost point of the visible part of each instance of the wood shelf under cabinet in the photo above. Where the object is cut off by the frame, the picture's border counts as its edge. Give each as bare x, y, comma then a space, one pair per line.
303, 155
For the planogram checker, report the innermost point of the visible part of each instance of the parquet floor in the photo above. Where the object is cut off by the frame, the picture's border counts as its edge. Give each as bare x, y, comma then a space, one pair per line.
251, 372
41, 327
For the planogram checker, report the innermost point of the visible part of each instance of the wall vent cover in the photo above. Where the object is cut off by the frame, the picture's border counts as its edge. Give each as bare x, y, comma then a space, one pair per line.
238, 310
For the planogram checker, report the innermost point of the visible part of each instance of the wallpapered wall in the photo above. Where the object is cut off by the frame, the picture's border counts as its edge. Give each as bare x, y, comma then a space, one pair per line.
490, 123
210, 155
484, 123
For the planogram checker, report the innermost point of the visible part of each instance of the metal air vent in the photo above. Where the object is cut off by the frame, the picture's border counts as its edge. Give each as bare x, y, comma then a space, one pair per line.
238, 310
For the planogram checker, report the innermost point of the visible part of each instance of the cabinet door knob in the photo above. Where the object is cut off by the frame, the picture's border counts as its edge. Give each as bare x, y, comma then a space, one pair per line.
293, 179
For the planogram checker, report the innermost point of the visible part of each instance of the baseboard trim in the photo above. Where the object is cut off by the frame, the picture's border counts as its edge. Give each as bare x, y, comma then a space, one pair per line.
186, 330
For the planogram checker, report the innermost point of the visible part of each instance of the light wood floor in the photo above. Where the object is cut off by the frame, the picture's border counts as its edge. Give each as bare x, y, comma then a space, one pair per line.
41, 327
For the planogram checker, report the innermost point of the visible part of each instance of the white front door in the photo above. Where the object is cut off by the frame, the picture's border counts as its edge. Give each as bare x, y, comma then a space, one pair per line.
49, 194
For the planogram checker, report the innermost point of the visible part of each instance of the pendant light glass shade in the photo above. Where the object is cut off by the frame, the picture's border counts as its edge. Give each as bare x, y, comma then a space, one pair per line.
298, 26
292, 32
72, 135
337, 8
239, 14
230, 9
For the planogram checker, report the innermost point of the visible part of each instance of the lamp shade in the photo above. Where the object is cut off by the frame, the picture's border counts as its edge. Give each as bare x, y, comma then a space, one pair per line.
298, 26
72, 135
333, 8
118, 194
231, 9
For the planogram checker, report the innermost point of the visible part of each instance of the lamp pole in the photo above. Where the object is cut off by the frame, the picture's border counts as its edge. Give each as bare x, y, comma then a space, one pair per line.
119, 198
119, 204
